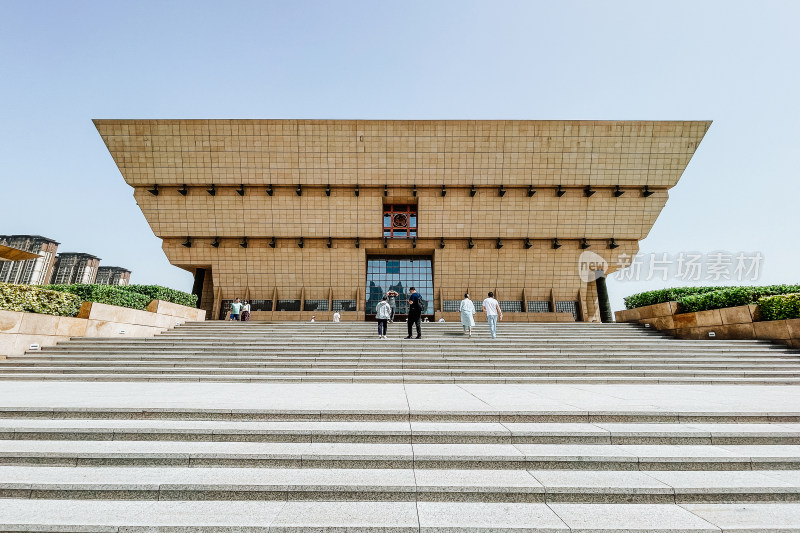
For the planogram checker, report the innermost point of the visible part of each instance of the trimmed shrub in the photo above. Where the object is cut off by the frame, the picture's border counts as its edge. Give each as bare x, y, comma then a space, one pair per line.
157, 292
731, 297
35, 299
105, 294
664, 295
778, 307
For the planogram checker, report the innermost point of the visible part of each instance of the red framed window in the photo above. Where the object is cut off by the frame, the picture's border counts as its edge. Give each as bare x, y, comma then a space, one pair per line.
400, 221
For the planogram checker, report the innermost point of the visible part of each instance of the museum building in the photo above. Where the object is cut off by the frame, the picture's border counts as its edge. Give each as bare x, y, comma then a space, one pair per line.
308, 217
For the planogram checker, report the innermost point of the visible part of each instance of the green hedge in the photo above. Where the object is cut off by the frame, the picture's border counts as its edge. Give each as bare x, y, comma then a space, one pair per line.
65, 300
34, 299
781, 306
157, 292
105, 294
664, 295
731, 297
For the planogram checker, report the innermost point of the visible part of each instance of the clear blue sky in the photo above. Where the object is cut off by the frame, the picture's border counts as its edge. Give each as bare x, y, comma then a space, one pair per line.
64, 63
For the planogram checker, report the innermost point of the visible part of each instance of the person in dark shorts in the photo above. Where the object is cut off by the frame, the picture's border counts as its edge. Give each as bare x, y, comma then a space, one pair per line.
414, 312
236, 308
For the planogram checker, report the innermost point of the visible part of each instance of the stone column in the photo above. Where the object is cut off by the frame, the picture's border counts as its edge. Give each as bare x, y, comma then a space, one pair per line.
602, 298
197, 288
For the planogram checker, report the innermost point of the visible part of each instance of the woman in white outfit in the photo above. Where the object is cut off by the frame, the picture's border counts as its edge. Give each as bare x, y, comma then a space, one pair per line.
382, 314
467, 309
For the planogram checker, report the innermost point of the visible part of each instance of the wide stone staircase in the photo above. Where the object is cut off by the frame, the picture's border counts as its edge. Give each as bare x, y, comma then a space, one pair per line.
352, 352
324, 427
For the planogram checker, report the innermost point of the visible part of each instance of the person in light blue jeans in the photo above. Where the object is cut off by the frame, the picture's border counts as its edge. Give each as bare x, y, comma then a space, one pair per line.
493, 312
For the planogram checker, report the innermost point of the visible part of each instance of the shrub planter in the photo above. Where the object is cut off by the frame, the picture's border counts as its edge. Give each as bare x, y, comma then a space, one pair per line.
742, 322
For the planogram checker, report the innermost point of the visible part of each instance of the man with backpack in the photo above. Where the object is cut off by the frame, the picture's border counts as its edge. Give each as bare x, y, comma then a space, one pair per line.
414, 312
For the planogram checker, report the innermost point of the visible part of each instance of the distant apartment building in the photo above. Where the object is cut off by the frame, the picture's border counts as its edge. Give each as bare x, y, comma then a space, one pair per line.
75, 268
32, 271
108, 275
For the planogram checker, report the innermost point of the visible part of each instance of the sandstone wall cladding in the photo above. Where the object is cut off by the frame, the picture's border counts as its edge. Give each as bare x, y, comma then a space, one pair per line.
236, 197
19, 330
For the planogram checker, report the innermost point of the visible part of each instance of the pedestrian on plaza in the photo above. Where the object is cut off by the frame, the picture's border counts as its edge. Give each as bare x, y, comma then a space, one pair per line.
246, 312
313, 318
236, 308
493, 313
382, 314
414, 312
467, 309
392, 299
336, 316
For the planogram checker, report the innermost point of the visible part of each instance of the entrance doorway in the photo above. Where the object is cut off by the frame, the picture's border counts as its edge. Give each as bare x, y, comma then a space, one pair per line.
399, 273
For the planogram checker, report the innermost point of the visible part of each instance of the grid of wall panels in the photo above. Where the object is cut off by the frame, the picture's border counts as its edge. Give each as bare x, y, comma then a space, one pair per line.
307, 198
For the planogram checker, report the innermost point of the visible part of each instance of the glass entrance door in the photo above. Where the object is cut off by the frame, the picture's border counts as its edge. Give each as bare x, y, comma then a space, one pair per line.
399, 274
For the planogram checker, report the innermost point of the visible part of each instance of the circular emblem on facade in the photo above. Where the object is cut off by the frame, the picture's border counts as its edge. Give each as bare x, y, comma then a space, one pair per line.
400, 221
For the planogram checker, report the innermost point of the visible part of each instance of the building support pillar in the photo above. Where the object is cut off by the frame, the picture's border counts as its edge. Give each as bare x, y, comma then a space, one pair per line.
217, 304
197, 287
582, 311
602, 299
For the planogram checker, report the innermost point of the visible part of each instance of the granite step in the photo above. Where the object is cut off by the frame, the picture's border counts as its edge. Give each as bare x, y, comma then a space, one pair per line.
101, 516
386, 354
262, 354
412, 366
393, 356
360, 323
736, 420
405, 373
397, 379
400, 431
369, 362
336, 360
404, 368
319, 484
362, 455
388, 348
441, 327
476, 341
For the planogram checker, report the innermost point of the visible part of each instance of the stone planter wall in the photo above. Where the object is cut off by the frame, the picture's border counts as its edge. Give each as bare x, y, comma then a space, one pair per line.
729, 323
19, 330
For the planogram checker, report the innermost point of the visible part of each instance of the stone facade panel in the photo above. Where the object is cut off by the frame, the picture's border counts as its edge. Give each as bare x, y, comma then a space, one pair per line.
297, 205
